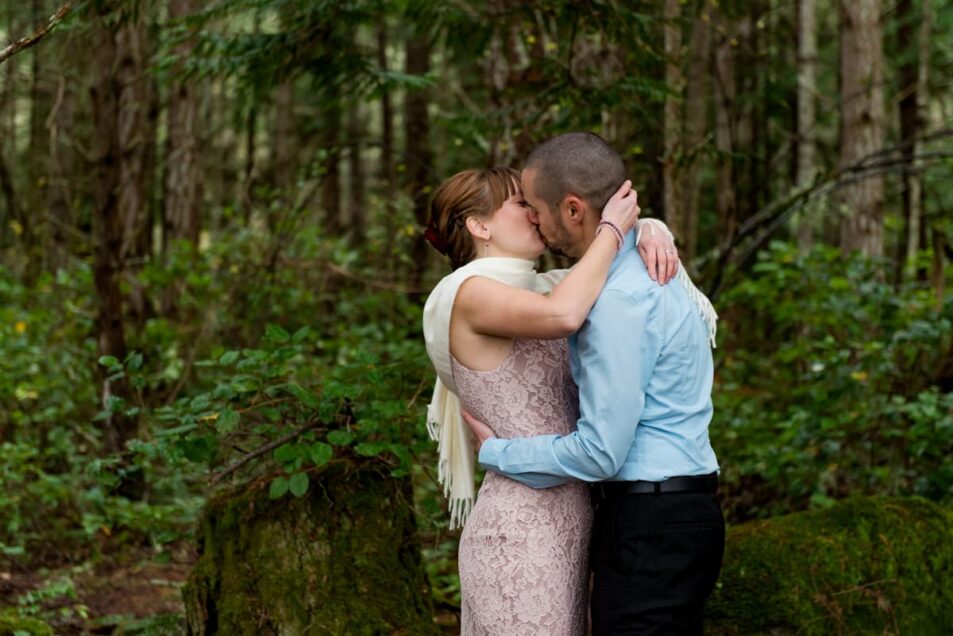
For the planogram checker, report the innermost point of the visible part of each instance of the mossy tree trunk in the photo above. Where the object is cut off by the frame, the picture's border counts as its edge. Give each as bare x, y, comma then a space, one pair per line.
343, 559
868, 565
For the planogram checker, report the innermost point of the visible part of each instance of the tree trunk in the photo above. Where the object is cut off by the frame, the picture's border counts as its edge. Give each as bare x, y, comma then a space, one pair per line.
62, 170
183, 183
913, 82
283, 163
387, 170
696, 102
331, 184
37, 160
724, 76
137, 133
357, 199
806, 170
419, 157
107, 228
343, 559
671, 115
861, 123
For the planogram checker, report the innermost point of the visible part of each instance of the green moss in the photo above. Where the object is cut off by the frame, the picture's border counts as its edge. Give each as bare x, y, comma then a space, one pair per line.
12, 624
341, 560
867, 565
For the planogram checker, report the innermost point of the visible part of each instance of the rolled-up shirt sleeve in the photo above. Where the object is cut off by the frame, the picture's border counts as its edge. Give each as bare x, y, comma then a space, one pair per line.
617, 348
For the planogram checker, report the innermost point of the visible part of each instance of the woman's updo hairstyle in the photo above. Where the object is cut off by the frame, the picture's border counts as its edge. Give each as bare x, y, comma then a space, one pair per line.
477, 193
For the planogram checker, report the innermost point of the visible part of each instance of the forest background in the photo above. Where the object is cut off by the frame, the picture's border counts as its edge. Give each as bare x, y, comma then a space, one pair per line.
212, 265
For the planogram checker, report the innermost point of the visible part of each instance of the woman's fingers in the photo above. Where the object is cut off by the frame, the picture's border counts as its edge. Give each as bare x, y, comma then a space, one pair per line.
650, 257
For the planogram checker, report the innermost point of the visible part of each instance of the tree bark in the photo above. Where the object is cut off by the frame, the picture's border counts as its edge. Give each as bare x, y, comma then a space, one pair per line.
331, 184
419, 157
913, 83
387, 170
861, 123
183, 182
805, 170
724, 66
183, 176
107, 225
696, 102
357, 199
137, 134
671, 115
283, 163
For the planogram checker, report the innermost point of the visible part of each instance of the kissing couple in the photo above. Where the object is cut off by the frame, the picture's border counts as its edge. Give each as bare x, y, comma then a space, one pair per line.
587, 394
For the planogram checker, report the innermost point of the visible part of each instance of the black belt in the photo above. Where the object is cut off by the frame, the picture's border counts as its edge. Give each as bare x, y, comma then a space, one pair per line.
697, 484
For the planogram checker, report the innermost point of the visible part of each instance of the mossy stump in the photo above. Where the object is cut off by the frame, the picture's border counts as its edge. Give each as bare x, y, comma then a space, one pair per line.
343, 559
867, 565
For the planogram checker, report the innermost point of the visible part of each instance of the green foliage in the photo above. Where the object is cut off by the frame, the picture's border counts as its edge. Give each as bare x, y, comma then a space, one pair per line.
829, 384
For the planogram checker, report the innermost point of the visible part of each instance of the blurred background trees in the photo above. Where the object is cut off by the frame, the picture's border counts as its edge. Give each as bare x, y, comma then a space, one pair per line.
210, 238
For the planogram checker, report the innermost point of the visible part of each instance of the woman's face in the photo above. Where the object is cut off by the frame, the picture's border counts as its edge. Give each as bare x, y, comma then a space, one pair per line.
512, 231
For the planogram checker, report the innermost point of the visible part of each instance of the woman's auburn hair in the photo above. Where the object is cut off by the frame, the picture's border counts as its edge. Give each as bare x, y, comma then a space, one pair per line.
477, 193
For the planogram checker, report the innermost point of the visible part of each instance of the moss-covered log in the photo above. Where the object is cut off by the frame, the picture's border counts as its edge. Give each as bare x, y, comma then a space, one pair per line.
343, 559
869, 565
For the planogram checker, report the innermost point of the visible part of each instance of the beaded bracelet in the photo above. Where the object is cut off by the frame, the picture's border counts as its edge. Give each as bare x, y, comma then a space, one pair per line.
614, 228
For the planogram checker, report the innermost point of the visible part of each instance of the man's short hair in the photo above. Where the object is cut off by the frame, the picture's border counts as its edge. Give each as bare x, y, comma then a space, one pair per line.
579, 163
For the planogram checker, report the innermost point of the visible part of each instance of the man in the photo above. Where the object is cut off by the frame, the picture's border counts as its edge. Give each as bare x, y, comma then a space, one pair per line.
644, 368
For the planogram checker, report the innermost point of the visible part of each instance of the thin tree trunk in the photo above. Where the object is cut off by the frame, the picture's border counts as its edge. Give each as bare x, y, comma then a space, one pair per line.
107, 226
136, 142
183, 184
806, 136
419, 157
357, 199
724, 66
671, 116
183, 176
862, 122
283, 151
913, 83
62, 170
696, 101
331, 184
388, 172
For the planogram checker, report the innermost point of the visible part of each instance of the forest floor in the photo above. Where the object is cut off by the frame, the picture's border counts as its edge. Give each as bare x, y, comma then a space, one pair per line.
128, 591
122, 592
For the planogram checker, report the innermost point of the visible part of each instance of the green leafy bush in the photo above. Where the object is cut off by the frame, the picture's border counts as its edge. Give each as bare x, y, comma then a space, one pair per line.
829, 383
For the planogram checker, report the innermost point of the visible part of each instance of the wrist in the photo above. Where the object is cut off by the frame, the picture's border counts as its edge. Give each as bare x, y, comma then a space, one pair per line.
611, 227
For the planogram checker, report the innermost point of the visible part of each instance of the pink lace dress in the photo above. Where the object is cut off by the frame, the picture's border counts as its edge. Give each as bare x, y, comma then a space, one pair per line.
523, 555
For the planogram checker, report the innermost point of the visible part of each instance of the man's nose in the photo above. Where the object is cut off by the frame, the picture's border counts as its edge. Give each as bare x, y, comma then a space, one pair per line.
533, 216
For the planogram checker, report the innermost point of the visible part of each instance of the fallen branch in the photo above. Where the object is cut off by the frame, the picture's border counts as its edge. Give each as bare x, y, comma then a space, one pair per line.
39, 34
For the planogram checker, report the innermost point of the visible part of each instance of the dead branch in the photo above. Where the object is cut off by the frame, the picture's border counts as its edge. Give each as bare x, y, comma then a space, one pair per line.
39, 34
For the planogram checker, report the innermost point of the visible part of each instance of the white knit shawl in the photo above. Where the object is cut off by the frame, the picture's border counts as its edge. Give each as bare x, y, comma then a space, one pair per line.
455, 456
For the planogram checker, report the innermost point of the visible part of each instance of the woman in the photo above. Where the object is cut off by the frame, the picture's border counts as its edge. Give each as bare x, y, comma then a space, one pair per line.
499, 344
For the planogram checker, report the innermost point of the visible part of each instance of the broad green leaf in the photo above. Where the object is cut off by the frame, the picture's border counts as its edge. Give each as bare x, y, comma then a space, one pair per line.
229, 357
340, 437
298, 484
276, 333
278, 487
321, 453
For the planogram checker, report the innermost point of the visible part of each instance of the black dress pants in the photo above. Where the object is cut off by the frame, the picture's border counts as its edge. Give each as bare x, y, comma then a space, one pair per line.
655, 559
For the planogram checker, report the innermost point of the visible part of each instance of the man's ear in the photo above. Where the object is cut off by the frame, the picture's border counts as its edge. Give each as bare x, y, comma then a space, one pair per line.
478, 228
573, 209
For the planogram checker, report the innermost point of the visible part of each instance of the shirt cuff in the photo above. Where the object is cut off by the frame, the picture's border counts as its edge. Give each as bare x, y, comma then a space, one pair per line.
489, 456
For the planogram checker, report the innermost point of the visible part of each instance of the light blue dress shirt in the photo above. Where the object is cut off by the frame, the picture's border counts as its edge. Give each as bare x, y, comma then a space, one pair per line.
643, 364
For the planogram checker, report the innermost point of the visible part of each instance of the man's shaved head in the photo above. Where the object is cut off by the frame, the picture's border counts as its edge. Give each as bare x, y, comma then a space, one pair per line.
579, 163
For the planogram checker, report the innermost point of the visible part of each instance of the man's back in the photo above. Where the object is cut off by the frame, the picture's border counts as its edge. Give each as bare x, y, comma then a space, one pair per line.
661, 352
